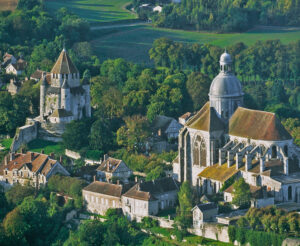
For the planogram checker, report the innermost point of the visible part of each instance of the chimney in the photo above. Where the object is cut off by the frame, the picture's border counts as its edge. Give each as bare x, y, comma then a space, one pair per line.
262, 164
5, 160
94, 178
107, 167
118, 182
22, 150
42, 151
105, 157
60, 159
52, 155
135, 179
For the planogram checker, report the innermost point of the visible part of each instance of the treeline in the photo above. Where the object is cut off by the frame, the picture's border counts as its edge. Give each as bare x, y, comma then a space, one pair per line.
269, 70
228, 16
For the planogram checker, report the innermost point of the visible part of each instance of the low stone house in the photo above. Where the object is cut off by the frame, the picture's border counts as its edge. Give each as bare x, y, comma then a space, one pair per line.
100, 196
113, 168
205, 212
31, 167
17, 68
148, 198
259, 196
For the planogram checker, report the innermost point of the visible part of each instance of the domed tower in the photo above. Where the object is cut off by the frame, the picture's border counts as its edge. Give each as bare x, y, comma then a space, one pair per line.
225, 93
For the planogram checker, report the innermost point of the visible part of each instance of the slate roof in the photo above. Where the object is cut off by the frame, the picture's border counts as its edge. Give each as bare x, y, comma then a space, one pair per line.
106, 188
36, 162
219, 173
109, 165
255, 124
206, 120
64, 64
161, 122
60, 113
206, 206
147, 190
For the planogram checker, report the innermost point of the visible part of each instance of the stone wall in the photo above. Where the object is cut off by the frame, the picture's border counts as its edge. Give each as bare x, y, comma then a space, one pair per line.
212, 231
163, 222
25, 134
72, 154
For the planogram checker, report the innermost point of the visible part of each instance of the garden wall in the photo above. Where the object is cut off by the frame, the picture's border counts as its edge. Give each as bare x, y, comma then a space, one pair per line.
25, 134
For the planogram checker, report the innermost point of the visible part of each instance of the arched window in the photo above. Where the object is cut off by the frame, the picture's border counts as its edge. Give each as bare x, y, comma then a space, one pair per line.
274, 152
290, 193
199, 152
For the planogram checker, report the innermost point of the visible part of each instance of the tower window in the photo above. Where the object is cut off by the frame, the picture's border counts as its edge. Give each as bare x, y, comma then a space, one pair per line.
290, 193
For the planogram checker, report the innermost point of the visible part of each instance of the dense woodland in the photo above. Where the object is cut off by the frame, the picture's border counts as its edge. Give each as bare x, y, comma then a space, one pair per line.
228, 16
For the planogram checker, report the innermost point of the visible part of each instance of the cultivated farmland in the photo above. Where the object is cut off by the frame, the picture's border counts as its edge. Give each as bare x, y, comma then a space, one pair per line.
133, 43
94, 10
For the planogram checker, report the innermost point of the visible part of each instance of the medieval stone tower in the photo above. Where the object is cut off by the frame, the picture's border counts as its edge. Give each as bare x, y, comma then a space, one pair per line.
62, 97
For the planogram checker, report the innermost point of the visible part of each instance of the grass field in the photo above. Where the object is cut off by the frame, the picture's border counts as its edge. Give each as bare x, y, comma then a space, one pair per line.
38, 145
94, 10
8, 4
133, 43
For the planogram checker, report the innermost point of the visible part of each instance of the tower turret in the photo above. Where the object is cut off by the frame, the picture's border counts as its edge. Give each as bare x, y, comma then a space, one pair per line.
65, 95
225, 93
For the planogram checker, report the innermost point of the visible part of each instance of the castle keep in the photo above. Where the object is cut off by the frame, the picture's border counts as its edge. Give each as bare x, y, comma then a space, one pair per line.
225, 140
62, 99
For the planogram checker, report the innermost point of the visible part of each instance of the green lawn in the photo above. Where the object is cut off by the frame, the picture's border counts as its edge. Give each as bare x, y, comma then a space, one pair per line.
6, 143
94, 10
133, 43
38, 145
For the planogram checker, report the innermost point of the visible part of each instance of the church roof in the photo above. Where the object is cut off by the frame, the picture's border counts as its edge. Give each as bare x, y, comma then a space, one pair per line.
206, 120
64, 64
219, 172
255, 124
60, 113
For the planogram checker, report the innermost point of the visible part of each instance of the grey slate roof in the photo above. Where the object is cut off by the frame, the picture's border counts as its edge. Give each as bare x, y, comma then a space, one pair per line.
206, 206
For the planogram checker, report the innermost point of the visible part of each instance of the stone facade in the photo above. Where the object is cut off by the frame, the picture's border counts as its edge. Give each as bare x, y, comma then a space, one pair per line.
148, 198
203, 213
63, 98
113, 168
30, 168
100, 196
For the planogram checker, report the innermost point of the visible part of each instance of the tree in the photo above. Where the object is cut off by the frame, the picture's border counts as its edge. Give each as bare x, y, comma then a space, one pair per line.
101, 137
156, 173
241, 193
134, 134
28, 4
3, 204
76, 134
15, 225
198, 87
184, 213
16, 194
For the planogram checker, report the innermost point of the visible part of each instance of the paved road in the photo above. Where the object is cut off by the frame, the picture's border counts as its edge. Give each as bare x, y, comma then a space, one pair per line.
95, 28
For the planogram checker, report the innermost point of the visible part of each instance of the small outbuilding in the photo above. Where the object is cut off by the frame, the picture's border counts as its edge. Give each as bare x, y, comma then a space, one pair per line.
205, 212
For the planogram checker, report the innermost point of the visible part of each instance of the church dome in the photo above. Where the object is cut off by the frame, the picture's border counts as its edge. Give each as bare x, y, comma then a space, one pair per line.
225, 84
225, 58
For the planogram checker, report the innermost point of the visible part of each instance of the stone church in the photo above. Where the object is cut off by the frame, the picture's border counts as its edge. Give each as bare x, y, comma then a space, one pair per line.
225, 140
